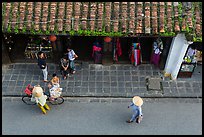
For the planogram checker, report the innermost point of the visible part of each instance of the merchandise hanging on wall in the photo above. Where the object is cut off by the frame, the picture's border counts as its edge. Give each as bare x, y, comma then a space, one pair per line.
157, 50
97, 52
135, 54
117, 50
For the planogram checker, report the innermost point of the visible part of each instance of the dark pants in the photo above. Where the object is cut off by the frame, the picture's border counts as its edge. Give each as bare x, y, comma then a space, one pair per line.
64, 72
72, 65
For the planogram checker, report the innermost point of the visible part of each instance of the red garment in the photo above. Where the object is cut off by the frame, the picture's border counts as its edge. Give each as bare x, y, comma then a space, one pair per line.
118, 47
138, 57
95, 48
135, 56
132, 57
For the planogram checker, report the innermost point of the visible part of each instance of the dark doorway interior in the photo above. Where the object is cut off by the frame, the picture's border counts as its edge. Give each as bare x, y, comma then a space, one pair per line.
17, 47
82, 45
146, 47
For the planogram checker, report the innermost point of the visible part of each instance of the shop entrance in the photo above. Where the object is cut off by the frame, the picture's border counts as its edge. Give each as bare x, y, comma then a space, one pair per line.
83, 46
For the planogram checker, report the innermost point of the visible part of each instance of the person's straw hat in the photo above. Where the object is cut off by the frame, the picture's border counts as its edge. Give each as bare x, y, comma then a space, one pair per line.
137, 100
37, 91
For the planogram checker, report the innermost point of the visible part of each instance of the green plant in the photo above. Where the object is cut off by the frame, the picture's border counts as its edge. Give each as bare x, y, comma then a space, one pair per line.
9, 28
39, 31
197, 39
80, 32
16, 29
189, 36
93, 33
87, 33
56, 32
71, 33
47, 32
32, 31
24, 30
64, 32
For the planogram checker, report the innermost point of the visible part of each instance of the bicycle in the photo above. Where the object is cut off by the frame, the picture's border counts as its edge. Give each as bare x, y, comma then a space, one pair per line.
27, 99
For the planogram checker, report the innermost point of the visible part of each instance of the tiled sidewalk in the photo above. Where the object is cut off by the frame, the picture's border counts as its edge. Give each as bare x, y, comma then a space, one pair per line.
95, 80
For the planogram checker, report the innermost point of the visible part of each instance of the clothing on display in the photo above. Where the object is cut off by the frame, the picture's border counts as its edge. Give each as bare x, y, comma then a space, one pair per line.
117, 50
157, 50
97, 52
135, 54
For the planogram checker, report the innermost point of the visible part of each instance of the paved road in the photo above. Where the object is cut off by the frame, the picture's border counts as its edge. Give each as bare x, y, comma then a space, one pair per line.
103, 117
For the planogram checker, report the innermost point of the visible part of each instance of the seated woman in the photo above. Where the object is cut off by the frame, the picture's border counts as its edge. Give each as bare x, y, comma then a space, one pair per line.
54, 87
55, 80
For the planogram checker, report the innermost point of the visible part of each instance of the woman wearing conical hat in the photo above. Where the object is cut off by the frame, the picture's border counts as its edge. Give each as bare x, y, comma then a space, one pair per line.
40, 98
137, 109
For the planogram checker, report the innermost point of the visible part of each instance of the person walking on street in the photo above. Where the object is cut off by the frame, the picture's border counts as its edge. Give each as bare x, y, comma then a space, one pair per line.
42, 64
71, 56
137, 110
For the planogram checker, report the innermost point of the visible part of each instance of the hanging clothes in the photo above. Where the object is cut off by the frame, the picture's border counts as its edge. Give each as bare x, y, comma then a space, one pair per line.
117, 50
135, 54
97, 52
157, 50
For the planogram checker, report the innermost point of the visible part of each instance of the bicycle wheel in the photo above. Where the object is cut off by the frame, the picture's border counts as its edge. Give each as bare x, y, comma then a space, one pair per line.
27, 100
57, 101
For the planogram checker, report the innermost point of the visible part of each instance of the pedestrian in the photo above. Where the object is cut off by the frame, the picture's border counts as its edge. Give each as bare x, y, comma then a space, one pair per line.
64, 64
71, 56
137, 110
42, 64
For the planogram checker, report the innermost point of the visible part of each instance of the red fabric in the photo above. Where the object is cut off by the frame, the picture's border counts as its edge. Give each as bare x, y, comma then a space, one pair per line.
132, 57
135, 55
138, 57
95, 48
118, 47
27, 90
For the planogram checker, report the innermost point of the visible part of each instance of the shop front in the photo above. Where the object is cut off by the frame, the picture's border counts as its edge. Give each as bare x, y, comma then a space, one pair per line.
118, 50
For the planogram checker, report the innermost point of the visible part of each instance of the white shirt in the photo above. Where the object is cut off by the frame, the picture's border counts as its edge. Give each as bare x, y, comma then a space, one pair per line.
71, 54
55, 92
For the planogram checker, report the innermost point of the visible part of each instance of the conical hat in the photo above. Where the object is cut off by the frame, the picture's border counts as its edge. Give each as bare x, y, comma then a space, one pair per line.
37, 91
137, 101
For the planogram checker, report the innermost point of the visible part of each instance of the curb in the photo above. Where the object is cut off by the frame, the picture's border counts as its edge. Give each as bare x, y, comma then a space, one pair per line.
116, 100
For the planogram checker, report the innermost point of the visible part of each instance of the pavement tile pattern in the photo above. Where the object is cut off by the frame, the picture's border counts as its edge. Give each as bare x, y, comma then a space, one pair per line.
96, 80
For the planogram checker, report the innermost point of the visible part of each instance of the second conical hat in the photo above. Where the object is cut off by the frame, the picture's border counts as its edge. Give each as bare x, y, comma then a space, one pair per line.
137, 101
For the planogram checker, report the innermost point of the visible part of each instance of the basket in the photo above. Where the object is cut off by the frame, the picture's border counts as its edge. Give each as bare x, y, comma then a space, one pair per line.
28, 90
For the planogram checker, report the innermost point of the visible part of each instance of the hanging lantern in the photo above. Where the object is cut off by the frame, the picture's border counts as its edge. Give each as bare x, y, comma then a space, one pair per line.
107, 39
52, 38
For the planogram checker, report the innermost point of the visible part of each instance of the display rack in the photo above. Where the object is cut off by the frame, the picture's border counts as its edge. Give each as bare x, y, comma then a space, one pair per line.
186, 70
187, 67
32, 49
